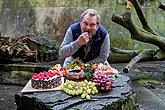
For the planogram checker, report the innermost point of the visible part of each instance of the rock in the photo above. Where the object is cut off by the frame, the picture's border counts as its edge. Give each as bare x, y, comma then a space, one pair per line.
29, 48
150, 98
119, 98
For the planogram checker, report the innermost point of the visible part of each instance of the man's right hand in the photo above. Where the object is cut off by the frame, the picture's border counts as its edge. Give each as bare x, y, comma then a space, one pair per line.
83, 39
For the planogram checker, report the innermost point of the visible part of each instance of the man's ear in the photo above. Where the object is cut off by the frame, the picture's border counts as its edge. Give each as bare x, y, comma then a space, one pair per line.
98, 24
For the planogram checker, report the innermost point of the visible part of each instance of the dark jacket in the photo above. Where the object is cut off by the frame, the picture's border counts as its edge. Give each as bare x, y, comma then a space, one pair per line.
96, 43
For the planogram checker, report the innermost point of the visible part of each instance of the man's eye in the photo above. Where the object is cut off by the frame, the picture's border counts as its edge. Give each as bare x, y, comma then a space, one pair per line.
85, 23
93, 25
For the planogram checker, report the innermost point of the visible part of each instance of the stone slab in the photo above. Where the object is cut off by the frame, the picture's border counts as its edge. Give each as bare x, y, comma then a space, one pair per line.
118, 98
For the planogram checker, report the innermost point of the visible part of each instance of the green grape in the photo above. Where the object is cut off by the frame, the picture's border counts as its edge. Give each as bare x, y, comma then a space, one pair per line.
64, 89
93, 92
73, 92
89, 83
83, 84
96, 91
88, 86
83, 96
69, 92
83, 88
94, 88
67, 81
65, 84
88, 91
70, 86
80, 91
93, 83
80, 84
85, 81
88, 97
77, 93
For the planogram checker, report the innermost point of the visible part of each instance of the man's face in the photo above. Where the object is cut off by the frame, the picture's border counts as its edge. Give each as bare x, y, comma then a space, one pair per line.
89, 24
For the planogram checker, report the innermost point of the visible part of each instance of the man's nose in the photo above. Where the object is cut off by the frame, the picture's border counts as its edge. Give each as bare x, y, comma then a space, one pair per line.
88, 26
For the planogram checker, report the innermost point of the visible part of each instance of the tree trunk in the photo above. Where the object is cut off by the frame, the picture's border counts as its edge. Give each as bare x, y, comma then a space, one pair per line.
144, 34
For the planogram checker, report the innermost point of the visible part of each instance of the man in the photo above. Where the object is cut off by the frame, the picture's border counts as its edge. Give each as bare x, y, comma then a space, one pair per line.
86, 39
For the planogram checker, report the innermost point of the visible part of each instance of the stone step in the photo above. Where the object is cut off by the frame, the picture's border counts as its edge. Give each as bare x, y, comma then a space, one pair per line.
19, 74
27, 66
150, 94
15, 77
24, 67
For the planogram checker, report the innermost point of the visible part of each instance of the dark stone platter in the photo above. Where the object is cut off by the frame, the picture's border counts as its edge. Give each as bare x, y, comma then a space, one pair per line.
119, 98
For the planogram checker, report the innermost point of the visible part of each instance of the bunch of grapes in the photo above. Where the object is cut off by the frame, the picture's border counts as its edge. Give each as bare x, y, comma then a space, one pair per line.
83, 88
76, 63
103, 83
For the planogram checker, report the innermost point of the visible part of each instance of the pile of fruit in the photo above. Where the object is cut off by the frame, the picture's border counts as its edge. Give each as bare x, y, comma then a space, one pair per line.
57, 69
105, 70
44, 75
97, 77
103, 83
75, 64
83, 88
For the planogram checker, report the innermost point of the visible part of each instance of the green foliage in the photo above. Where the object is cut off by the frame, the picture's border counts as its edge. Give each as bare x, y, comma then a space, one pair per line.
88, 72
32, 3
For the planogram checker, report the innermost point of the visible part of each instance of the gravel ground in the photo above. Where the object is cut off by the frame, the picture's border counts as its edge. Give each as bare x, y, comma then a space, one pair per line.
7, 100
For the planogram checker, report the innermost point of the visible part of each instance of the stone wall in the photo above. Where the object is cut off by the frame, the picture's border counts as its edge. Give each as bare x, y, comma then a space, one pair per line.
21, 17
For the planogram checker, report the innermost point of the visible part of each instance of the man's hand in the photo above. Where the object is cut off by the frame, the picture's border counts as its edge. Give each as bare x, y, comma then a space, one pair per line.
83, 39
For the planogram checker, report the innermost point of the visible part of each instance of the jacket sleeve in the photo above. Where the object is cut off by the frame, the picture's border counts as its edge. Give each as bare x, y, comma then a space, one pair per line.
104, 52
68, 46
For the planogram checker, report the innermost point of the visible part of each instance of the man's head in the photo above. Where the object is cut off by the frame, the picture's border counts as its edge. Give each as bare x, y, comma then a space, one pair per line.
90, 21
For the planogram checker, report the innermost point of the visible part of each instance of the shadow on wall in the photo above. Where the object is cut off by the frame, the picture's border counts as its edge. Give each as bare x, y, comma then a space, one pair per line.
17, 18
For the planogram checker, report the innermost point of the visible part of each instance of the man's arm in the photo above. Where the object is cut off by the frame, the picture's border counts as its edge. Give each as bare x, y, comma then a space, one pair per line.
68, 46
104, 52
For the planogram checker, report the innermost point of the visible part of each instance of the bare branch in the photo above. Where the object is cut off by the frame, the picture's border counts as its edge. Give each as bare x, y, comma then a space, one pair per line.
122, 51
146, 54
142, 17
138, 33
126, 21
132, 62
161, 6
150, 38
119, 20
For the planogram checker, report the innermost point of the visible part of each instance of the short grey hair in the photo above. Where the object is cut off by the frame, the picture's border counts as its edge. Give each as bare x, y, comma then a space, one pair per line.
91, 12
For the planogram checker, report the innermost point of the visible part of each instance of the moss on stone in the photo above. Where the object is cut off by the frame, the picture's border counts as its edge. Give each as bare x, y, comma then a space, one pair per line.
21, 74
130, 103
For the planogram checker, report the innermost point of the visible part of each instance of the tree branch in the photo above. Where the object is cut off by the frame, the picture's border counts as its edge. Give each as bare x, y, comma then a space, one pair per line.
142, 55
132, 62
142, 17
138, 33
150, 38
127, 55
125, 21
161, 6
119, 20
144, 34
122, 51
